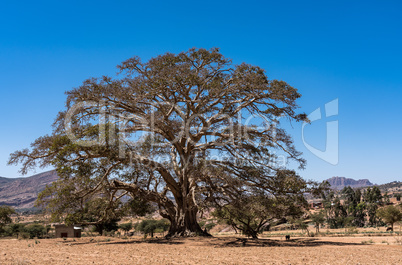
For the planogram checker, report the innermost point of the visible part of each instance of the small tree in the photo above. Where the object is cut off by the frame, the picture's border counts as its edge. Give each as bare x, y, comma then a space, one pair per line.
106, 226
318, 219
151, 226
373, 198
16, 229
390, 215
250, 214
5, 215
386, 198
302, 225
348, 222
126, 227
35, 230
360, 214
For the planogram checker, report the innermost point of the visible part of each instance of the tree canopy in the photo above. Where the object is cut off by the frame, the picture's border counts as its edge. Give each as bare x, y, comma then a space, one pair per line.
251, 213
5, 215
180, 131
151, 226
318, 219
390, 214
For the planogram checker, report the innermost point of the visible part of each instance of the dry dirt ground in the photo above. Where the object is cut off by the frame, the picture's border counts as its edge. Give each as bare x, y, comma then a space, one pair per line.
218, 250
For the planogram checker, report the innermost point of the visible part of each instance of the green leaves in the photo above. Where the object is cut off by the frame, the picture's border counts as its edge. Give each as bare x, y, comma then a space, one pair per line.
5, 215
178, 130
150, 226
250, 213
390, 214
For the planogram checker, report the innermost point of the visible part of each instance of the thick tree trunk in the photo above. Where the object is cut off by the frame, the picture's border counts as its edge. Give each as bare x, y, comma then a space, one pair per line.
184, 224
253, 234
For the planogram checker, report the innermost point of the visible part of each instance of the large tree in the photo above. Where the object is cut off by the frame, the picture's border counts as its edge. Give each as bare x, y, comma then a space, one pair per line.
177, 130
373, 199
390, 214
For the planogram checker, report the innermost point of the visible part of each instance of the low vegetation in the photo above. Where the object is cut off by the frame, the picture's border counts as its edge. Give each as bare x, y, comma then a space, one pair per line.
150, 226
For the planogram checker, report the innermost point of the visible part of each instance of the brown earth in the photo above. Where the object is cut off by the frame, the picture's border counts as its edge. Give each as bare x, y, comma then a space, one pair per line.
218, 250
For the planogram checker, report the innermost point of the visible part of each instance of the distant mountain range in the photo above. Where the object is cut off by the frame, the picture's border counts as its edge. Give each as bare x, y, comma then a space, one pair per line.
22, 192
341, 182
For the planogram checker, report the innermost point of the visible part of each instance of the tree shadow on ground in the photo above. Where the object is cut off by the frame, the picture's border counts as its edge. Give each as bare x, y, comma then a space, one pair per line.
298, 242
219, 242
148, 241
126, 241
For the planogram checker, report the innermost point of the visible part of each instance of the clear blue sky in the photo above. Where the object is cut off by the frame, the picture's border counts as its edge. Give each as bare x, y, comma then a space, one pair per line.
350, 50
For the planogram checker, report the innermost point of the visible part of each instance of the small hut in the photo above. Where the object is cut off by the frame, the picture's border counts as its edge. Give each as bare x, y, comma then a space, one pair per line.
67, 231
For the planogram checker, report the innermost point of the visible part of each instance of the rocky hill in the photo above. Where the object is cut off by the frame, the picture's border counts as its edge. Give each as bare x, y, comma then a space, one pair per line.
22, 192
341, 182
392, 187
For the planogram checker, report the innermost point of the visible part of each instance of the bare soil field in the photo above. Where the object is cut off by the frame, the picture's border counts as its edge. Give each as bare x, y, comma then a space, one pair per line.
217, 250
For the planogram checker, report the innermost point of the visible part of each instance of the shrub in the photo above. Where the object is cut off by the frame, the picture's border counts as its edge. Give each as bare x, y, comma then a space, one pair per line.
35, 230
15, 229
23, 235
151, 226
5, 215
126, 227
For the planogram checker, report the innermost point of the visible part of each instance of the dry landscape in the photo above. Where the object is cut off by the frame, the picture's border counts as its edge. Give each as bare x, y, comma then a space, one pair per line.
217, 250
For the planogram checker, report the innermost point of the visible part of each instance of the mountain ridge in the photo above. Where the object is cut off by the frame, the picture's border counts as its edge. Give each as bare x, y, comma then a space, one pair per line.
341, 182
22, 192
